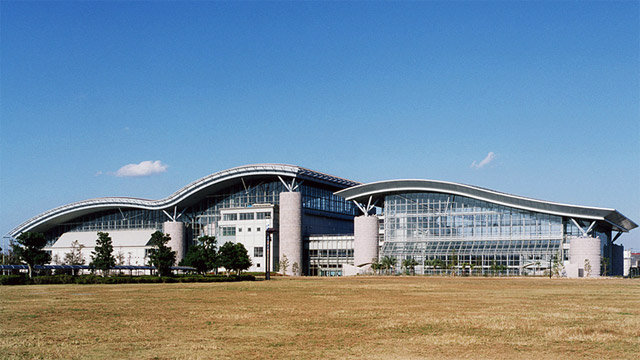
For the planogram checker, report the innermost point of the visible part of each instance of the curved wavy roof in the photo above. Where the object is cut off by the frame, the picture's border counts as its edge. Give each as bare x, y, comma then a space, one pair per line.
380, 189
191, 192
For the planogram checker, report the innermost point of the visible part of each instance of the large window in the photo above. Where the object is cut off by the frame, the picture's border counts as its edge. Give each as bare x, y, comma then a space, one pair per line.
228, 231
263, 215
246, 216
327, 253
230, 217
325, 200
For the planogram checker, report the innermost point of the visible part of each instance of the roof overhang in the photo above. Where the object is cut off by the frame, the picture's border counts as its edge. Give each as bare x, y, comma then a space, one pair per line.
378, 190
184, 197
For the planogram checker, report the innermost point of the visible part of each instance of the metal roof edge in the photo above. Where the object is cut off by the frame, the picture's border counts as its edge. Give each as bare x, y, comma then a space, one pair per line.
388, 186
179, 195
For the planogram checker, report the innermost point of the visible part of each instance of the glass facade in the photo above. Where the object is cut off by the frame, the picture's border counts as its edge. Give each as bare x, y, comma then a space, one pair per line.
109, 220
202, 218
446, 232
206, 214
327, 254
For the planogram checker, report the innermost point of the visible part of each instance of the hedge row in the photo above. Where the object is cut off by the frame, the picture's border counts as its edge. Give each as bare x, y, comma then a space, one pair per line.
93, 279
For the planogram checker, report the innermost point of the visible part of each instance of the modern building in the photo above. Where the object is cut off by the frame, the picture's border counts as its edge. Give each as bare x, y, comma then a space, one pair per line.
235, 205
328, 225
447, 226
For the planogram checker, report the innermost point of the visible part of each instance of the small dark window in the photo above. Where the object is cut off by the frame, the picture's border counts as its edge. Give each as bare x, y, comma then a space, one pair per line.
258, 251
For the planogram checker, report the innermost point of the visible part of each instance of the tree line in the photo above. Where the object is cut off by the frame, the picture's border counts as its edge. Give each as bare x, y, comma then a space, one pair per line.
204, 256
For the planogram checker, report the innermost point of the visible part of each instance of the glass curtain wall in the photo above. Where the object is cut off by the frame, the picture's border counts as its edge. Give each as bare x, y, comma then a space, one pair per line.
205, 215
110, 220
448, 233
327, 254
202, 218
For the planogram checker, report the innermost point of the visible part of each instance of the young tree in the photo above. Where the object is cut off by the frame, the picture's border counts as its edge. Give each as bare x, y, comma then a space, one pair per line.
74, 256
388, 263
56, 260
494, 267
295, 268
28, 248
465, 265
161, 256
427, 263
404, 265
453, 263
472, 266
119, 258
587, 267
375, 265
102, 256
284, 264
10, 257
409, 266
556, 267
605, 264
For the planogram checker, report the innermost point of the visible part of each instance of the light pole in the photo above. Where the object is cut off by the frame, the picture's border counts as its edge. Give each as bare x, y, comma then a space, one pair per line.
267, 268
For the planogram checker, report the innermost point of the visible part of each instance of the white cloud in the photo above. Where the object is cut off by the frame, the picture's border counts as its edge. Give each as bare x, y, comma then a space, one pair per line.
485, 161
145, 168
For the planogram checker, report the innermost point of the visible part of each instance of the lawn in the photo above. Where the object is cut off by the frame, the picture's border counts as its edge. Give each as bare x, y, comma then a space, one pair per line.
311, 318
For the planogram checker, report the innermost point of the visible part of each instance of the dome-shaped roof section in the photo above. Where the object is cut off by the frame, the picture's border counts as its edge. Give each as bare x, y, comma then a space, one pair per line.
187, 193
382, 188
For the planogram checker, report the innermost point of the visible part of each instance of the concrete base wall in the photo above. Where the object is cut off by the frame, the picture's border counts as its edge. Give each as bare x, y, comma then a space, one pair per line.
352, 270
129, 246
291, 231
626, 263
581, 250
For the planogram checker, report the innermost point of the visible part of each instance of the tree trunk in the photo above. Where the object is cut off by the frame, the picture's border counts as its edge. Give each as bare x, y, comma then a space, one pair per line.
30, 271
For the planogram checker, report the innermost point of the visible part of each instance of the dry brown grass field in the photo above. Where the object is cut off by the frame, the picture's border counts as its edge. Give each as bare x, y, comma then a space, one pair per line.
314, 318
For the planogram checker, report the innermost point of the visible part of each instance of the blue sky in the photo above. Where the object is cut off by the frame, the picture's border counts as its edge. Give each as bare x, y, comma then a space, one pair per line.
364, 90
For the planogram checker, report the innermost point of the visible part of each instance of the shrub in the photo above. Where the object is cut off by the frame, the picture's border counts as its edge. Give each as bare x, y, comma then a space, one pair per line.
13, 280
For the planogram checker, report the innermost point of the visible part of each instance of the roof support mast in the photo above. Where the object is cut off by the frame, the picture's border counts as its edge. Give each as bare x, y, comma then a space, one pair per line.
290, 187
175, 216
366, 210
584, 233
121, 213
